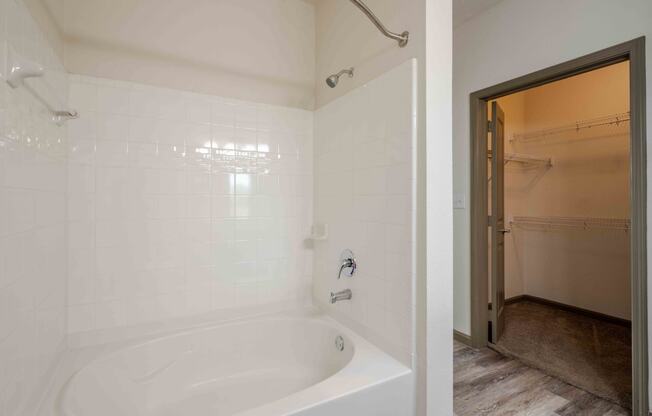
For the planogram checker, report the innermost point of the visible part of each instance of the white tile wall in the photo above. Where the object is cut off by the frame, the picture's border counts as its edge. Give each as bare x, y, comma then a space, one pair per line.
364, 191
32, 221
183, 203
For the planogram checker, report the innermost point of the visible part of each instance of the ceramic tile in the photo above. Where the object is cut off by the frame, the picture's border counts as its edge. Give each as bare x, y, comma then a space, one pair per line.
33, 246
183, 203
363, 190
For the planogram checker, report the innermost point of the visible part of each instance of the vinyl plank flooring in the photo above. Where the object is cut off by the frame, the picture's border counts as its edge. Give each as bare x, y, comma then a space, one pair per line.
489, 384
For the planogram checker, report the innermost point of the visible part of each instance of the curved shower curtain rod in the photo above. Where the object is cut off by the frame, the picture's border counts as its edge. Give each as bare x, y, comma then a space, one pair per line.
401, 38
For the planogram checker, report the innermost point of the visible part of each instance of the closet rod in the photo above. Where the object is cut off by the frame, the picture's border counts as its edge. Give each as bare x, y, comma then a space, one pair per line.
611, 119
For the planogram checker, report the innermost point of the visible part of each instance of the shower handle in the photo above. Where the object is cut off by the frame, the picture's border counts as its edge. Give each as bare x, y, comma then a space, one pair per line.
347, 264
347, 261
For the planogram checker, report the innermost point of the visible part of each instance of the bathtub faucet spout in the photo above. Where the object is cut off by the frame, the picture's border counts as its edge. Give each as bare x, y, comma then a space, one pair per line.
341, 295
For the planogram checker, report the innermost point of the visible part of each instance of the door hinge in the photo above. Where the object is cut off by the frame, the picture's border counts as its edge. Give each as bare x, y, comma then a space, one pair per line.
489, 126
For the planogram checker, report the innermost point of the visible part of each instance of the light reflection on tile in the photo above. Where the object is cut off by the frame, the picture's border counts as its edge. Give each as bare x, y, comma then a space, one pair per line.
188, 182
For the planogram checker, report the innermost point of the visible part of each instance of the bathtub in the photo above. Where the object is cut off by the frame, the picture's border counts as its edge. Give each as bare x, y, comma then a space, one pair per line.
282, 364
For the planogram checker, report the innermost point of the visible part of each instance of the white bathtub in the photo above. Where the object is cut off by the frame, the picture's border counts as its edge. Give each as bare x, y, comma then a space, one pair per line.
278, 365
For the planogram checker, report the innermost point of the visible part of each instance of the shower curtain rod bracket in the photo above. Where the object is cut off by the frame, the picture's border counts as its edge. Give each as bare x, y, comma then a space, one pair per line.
402, 38
405, 36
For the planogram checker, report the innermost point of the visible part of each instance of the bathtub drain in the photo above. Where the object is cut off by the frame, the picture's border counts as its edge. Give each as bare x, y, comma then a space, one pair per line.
339, 343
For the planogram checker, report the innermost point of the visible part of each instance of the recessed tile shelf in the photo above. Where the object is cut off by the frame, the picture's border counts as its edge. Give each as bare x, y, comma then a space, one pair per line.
319, 232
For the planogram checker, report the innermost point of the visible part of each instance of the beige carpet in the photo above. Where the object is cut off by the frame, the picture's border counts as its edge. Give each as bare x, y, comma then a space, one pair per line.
588, 353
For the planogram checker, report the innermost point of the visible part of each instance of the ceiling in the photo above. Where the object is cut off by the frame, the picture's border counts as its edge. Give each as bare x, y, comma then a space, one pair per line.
463, 10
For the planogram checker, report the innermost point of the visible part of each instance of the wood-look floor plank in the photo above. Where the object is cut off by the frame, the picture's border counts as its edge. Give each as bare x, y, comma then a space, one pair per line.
489, 384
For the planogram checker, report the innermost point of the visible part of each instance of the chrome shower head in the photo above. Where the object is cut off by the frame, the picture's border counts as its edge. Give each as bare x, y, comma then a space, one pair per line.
332, 80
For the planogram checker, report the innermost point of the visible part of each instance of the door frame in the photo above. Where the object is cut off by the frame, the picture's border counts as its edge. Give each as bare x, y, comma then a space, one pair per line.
634, 52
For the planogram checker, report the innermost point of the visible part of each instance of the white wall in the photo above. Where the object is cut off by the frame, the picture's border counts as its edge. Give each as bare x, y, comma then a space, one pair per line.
439, 147
32, 222
260, 51
364, 191
42, 14
513, 39
183, 203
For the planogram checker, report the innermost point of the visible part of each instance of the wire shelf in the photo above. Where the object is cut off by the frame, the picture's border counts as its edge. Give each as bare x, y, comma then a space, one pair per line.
608, 120
525, 159
576, 223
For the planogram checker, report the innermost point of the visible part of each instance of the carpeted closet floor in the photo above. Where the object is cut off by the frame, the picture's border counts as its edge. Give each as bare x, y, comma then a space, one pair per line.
589, 353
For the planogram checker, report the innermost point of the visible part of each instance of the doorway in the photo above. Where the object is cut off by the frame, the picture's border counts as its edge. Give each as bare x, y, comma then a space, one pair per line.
489, 224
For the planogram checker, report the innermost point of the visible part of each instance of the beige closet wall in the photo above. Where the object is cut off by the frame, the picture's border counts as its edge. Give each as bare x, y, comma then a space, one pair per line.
589, 178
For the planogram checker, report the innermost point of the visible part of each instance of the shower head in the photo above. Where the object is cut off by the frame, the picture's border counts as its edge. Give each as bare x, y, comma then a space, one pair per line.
334, 79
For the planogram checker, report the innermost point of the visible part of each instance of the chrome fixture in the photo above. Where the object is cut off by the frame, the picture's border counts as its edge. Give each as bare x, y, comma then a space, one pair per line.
341, 295
401, 38
347, 263
339, 343
334, 79
20, 69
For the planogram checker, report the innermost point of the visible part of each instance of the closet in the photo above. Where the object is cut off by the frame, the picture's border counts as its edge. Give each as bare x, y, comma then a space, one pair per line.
565, 166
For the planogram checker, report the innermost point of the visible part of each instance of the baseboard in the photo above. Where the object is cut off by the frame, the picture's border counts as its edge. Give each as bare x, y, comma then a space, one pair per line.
461, 337
515, 299
571, 308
